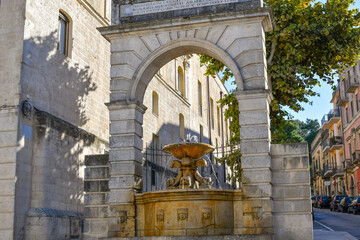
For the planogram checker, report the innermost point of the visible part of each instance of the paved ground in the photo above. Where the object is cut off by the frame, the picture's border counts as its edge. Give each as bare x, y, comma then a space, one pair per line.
334, 225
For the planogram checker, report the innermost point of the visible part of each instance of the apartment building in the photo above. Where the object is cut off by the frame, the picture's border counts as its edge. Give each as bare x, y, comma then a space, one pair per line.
339, 137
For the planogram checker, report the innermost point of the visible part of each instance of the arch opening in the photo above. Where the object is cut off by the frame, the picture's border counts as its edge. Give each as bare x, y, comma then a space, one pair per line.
172, 50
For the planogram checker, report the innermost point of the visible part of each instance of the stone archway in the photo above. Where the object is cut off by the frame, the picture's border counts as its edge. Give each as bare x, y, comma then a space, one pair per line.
233, 32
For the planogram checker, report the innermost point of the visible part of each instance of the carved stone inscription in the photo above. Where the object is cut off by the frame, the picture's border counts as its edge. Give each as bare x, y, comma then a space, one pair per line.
169, 5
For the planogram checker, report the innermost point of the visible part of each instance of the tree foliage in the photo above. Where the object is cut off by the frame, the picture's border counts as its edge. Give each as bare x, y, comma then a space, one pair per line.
310, 41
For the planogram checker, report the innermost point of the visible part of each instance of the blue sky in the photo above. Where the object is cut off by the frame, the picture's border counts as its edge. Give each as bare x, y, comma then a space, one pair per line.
321, 105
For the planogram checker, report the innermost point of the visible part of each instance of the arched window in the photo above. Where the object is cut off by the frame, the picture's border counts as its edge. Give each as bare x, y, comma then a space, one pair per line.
155, 103
181, 81
64, 34
182, 126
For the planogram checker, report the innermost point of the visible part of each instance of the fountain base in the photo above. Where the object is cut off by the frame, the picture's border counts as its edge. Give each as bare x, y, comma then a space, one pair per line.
189, 212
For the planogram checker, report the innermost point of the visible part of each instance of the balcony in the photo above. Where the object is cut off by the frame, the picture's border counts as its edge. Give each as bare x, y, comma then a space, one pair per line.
348, 165
328, 171
351, 84
343, 99
326, 146
329, 119
338, 172
335, 143
356, 157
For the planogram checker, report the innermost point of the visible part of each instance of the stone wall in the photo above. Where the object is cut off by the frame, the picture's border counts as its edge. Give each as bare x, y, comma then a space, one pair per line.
56, 178
291, 191
11, 46
96, 187
68, 93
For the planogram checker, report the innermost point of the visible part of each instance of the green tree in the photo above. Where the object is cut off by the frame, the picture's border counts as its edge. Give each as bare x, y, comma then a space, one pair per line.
310, 41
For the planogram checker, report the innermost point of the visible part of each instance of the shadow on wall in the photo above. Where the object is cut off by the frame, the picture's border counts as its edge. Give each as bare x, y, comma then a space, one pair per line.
55, 83
54, 152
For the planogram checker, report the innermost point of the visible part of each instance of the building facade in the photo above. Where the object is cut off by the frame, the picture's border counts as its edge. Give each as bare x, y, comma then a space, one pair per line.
350, 113
338, 141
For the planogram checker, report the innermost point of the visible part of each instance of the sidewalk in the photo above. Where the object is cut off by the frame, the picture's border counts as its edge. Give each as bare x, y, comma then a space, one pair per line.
320, 234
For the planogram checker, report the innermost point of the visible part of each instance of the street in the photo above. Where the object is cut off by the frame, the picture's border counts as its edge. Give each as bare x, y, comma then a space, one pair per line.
336, 221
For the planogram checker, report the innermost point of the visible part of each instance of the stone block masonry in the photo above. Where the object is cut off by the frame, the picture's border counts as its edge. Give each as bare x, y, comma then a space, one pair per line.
96, 189
291, 191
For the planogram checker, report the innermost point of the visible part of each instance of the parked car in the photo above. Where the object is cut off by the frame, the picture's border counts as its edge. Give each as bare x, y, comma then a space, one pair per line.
313, 200
344, 204
334, 204
317, 201
324, 202
354, 207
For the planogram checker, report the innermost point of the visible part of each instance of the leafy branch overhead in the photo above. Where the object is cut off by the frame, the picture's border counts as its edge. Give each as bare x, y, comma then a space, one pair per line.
310, 41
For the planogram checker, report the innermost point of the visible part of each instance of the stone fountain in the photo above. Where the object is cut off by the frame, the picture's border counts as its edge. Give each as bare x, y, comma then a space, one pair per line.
190, 155
189, 206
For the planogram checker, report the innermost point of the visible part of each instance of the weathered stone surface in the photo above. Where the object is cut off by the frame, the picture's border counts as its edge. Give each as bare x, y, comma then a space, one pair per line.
296, 205
257, 146
290, 149
255, 132
96, 173
254, 117
256, 175
125, 168
255, 161
286, 177
97, 160
96, 186
257, 190
297, 162
292, 191
95, 198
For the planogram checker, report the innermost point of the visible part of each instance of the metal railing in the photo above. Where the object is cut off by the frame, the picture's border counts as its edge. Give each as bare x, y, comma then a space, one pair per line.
157, 170
332, 113
356, 156
348, 164
336, 140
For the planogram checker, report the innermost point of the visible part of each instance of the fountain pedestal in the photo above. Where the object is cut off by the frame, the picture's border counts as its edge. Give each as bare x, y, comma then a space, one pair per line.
190, 155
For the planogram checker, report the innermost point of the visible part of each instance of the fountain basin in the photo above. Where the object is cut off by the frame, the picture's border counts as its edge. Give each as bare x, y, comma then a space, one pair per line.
189, 212
192, 150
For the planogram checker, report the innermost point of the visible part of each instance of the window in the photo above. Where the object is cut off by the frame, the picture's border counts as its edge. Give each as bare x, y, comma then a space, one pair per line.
199, 98
339, 131
212, 113
354, 143
201, 133
182, 126
352, 109
181, 82
357, 102
155, 103
350, 151
64, 34
347, 115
